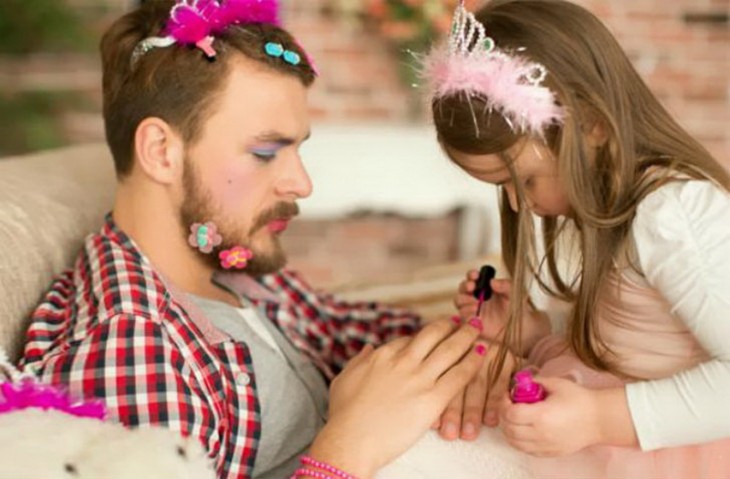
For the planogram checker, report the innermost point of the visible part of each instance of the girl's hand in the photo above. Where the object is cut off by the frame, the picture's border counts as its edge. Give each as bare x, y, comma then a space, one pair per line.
478, 404
385, 399
495, 312
567, 421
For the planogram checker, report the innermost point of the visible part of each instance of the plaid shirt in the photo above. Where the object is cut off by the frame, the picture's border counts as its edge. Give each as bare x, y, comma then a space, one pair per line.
113, 328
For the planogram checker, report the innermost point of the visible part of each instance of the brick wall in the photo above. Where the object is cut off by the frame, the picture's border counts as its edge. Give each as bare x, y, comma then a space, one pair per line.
370, 247
686, 63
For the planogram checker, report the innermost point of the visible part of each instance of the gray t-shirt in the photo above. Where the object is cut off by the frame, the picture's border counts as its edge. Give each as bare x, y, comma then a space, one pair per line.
291, 391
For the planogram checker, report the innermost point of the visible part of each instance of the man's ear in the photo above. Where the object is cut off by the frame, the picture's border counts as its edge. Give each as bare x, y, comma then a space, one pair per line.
159, 150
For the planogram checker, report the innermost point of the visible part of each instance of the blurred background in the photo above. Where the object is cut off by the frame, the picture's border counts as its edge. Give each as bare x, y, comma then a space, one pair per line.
386, 203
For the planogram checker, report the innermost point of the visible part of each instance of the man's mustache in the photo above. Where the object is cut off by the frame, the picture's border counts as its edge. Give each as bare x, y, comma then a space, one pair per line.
280, 211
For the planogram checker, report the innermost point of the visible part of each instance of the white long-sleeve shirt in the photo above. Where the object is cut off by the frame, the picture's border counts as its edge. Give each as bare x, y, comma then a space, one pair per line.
682, 237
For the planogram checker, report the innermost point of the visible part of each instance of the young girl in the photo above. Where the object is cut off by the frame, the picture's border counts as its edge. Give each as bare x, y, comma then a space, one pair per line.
537, 97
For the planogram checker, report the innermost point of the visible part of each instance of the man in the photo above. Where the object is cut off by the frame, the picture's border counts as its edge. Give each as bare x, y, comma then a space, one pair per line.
177, 312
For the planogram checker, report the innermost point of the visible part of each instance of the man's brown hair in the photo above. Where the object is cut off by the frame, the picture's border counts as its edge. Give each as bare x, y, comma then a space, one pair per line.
178, 83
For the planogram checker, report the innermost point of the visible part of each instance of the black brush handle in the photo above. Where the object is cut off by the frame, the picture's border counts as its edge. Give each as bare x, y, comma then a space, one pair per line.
486, 275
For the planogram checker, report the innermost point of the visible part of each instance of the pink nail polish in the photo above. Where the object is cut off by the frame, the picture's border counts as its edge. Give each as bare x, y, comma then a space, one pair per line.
476, 323
480, 349
456, 320
525, 390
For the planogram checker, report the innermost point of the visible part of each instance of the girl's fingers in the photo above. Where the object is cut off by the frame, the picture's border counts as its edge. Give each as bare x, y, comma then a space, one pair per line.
452, 349
467, 287
527, 447
451, 418
463, 300
501, 286
473, 274
520, 433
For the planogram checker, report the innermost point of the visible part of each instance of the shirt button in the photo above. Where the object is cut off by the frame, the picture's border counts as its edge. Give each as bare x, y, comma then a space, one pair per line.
243, 379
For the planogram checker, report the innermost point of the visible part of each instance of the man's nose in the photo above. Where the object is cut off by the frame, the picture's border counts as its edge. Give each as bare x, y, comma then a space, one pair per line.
296, 182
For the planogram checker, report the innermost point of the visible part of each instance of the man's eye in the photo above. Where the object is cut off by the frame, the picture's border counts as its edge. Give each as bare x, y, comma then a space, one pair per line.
264, 156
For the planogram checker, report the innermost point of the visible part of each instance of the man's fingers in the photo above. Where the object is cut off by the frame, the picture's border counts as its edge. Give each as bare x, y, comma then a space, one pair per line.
362, 355
496, 394
452, 349
451, 418
423, 343
474, 403
456, 378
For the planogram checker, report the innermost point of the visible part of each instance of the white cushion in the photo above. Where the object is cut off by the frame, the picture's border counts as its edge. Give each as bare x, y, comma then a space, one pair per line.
48, 203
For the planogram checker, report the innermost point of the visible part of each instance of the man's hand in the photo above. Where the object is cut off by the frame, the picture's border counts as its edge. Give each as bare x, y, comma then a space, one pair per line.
386, 398
477, 404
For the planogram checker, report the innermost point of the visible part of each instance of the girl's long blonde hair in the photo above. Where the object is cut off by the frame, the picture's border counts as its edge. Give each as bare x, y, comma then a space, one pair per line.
596, 84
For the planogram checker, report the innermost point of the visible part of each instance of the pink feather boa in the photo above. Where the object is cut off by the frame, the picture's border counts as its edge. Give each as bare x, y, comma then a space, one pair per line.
191, 21
31, 394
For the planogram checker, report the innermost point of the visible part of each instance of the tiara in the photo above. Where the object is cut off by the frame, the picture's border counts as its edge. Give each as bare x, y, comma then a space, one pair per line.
470, 63
196, 22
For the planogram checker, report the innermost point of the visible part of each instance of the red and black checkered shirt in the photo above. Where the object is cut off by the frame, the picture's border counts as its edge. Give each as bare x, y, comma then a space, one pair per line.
113, 328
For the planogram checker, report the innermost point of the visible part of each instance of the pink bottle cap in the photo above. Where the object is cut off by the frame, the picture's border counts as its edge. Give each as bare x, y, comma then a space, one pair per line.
525, 390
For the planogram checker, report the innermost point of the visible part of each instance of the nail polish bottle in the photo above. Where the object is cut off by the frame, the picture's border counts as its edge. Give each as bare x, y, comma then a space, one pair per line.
525, 390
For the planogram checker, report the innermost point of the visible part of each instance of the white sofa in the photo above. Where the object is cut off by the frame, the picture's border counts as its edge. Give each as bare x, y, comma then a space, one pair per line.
48, 203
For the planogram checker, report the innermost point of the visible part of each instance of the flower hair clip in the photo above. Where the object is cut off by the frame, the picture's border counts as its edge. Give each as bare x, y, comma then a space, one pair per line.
196, 22
472, 64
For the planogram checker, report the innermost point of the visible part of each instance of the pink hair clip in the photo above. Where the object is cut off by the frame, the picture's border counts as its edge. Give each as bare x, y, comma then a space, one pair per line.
470, 63
196, 22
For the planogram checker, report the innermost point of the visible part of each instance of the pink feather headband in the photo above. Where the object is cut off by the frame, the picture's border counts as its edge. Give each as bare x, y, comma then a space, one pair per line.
196, 22
471, 64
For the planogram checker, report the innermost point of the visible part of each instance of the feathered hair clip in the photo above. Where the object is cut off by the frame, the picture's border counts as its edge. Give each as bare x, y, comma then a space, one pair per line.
196, 22
472, 64
23, 391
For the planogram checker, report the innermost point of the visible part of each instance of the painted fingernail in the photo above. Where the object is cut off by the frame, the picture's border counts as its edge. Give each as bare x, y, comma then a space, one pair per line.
451, 431
469, 429
456, 320
480, 349
476, 323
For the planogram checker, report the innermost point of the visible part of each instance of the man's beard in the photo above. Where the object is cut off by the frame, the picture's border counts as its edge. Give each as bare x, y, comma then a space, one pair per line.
198, 207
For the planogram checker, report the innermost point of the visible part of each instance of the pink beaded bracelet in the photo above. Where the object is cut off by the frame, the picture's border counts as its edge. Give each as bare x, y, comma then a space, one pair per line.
304, 472
311, 462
